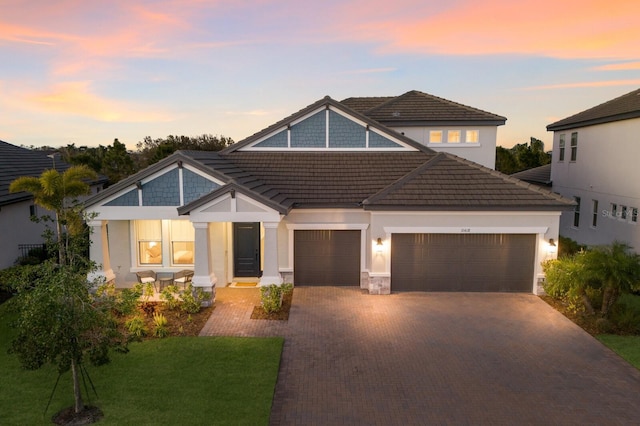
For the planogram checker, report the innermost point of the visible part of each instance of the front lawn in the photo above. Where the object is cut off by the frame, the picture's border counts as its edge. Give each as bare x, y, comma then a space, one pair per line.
628, 347
178, 380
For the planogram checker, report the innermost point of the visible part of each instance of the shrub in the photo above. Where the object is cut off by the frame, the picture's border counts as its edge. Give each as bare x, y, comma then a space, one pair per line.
192, 299
171, 297
625, 315
569, 247
136, 326
161, 322
271, 298
127, 300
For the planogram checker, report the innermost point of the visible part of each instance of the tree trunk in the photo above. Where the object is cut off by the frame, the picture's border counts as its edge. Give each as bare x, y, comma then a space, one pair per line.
609, 297
79, 406
61, 256
586, 302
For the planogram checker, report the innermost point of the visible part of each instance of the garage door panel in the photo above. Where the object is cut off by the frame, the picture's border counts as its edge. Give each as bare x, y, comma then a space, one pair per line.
327, 257
462, 262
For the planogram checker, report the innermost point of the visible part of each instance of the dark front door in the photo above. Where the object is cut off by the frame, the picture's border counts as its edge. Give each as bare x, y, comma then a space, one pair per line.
246, 249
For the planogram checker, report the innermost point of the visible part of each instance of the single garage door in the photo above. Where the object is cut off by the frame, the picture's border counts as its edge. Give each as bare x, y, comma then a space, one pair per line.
462, 262
326, 257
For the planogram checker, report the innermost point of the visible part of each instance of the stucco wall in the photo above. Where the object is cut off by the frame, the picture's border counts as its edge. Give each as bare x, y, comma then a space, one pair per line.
483, 152
17, 228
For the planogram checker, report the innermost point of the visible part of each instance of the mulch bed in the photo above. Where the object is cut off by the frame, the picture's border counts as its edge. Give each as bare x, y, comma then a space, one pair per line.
586, 322
69, 417
282, 314
178, 323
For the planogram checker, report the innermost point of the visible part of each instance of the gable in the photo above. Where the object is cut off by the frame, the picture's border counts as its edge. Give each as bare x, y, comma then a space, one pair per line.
173, 186
326, 127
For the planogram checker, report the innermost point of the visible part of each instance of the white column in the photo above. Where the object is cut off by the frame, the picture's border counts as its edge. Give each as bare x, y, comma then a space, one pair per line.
99, 251
203, 275
270, 273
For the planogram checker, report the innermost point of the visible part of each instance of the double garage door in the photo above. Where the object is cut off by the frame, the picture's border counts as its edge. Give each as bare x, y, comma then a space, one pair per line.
462, 262
420, 262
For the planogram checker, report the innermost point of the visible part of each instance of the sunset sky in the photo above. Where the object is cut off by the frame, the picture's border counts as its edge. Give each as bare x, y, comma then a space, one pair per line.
88, 71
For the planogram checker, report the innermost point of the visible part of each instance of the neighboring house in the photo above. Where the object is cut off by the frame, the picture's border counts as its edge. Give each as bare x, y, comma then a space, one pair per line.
438, 123
540, 176
595, 162
18, 233
327, 196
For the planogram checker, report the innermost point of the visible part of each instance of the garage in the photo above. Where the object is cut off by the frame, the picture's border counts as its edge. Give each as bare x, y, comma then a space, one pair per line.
326, 257
462, 262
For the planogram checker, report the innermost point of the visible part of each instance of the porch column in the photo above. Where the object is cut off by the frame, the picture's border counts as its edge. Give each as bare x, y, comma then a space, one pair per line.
99, 251
270, 273
203, 276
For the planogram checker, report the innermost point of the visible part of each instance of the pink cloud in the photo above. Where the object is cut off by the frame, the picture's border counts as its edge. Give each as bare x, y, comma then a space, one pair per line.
624, 66
610, 83
564, 29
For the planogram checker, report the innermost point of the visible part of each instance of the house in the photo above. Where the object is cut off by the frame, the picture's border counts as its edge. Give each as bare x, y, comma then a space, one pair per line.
17, 232
440, 124
595, 161
327, 196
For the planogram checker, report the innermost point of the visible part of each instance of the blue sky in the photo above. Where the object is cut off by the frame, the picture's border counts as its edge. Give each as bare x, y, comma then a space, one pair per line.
86, 72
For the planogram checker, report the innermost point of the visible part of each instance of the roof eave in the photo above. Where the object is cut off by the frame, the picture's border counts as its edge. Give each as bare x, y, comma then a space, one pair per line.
554, 127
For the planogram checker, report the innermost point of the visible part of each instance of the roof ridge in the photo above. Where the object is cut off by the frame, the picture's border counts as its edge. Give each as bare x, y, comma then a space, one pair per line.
399, 183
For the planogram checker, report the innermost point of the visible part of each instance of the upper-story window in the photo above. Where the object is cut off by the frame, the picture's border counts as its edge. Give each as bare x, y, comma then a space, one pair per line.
453, 136
594, 213
472, 136
614, 210
435, 136
561, 144
576, 213
634, 215
574, 146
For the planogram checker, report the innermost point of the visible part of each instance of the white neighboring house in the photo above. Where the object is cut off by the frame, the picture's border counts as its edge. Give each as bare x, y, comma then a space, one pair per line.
18, 234
595, 162
327, 196
440, 124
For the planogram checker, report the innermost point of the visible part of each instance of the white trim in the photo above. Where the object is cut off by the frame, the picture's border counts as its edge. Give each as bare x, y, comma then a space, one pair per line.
328, 226
472, 213
465, 230
282, 149
326, 128
136, 212
181, 185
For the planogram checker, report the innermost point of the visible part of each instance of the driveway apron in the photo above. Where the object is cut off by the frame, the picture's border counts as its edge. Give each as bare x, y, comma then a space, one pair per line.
433, 358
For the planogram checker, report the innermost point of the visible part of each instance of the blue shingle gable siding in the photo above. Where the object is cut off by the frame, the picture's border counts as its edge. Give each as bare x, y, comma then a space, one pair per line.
195, 186
377, 141
344, 133
279, 140
162, 191
309, 133
128, 199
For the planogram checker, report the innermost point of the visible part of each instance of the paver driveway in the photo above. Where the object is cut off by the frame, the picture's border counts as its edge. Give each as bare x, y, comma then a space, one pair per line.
434, 358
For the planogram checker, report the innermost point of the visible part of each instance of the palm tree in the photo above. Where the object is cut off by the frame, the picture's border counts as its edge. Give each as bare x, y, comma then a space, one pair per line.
52, 190
616, 267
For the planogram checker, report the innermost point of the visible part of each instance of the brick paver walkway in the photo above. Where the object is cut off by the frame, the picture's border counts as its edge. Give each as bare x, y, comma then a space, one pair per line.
434, 358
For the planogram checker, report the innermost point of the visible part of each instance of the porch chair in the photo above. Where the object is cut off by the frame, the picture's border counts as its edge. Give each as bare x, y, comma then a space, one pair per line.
145, 277
183, 277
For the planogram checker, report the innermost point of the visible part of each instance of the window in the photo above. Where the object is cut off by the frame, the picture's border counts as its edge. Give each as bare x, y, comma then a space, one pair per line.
594, 213
614, 210
182, 238
149, 234
623, 212
453, 136
33, 210
561, 144
634, 215
574, 146
435, 136
472, 136
165, 242
576, 213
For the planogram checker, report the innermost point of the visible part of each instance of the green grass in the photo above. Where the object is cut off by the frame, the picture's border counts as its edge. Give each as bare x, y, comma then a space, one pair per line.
182, 380
628, 347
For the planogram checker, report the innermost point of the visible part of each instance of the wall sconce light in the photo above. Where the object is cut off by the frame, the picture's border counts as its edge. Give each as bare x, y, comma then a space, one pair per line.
379, 245
552, 246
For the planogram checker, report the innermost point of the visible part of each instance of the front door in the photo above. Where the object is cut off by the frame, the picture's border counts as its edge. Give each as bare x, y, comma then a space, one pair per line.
246, 249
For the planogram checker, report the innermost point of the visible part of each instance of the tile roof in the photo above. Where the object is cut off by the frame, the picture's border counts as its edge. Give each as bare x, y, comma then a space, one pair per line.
16, 162
621, 108
447, 182
420, 108
538, 175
